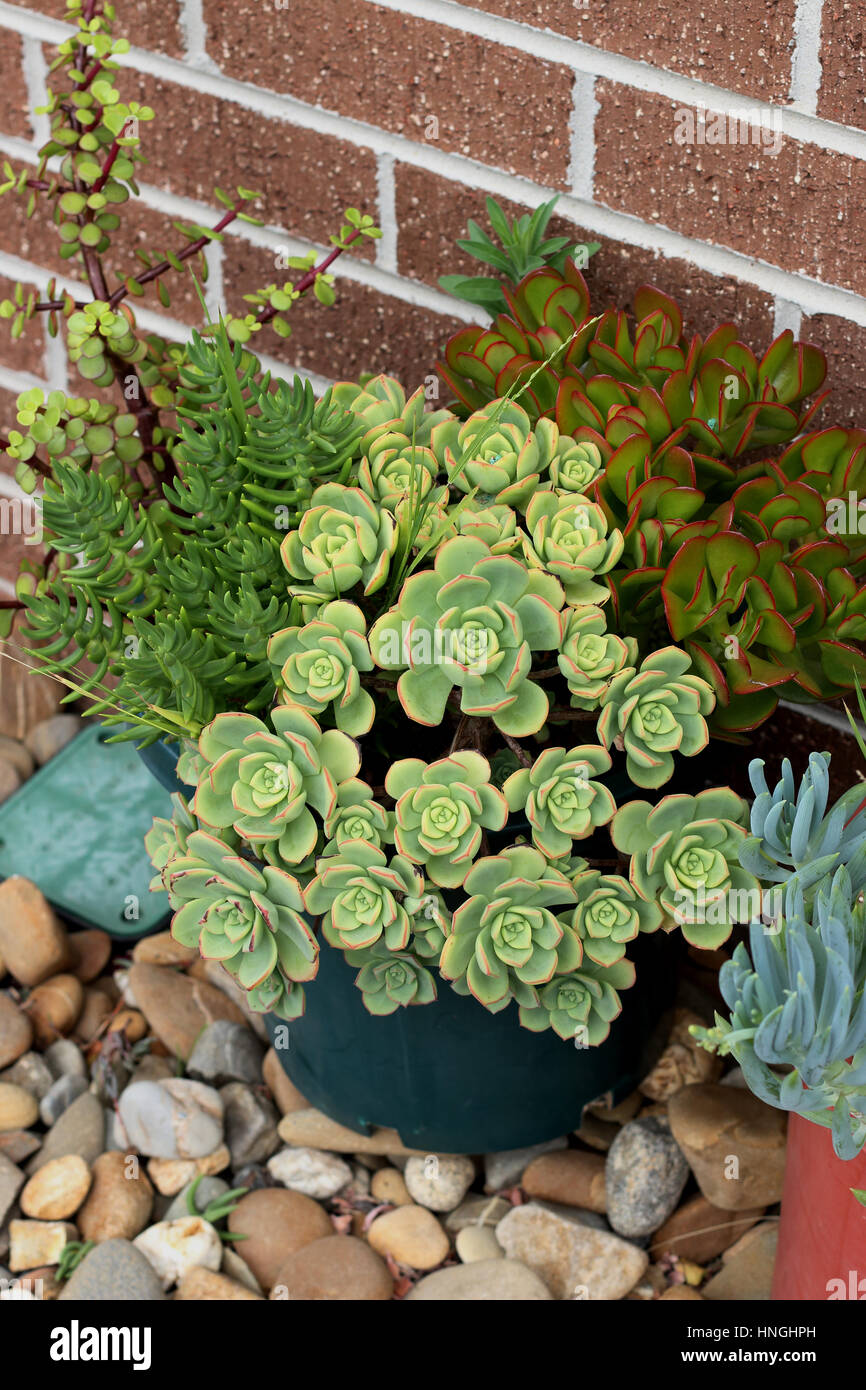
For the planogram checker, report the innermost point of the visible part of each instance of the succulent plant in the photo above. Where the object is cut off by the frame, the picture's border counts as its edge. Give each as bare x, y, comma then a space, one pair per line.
343, 540
653, 712
248, 918
357, 816
442, 810
684, 858
495, 525
569, 538
319, 665
609, 914
504, 939
581, 1005
576, 466
562, 799
361, 896
472, 621
590, 656
166, 839
390, 980
507, 463
393, 471
264, 782
382, 407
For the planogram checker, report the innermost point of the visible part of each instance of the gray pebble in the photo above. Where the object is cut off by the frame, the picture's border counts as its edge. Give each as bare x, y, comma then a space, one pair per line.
645, 1174
113, 1272
225, 1052
63, 1092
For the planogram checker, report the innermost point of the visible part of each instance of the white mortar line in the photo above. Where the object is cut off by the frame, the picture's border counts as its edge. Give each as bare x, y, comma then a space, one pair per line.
16, 382
386, 246
194, 31
786, 315
35, 71
55, 362
214, 291
581, 167
806, 57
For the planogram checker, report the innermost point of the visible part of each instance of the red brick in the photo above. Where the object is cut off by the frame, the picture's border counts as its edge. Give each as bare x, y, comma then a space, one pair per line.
843, 63
151, 24
801, 209
24, 354
365, 331
497, 104
715, 42
307, 179
14, 103
845, 346
143, 228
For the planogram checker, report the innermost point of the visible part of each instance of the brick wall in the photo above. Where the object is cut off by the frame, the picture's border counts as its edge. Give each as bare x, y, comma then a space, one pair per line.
416, 109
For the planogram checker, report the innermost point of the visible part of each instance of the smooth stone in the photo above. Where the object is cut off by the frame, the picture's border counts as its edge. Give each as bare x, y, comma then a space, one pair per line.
33, 941
569, 1176
172, 1119
388, 1185
58, 1189
236, 1268
286, 1095
46, 739
11, 1182
175, 1247
10, 780
734, 1143
316, 1174
478, 1243
214, 974
597, 1133
207, 1191
568, 1213
162, 949
89, 953
334, 1269
683, 1063
205, 1285
410, 1235
747, 1268
18, 1144
618, 1114
439, 1181
477, 1211
680, 1293
699, 1231
113, 1272
13, 751
64, 1058
169, 1175
250, 1124
177, 1007
645, 1174
120, 1200
505, 1169
18, 1109
59, 1097
154, 1068
80, 1130
310, 1129
276, 1222
31, 1073
34, 1243
574, 1260
54, 1008
16, 1031
484, 1281
226, 1052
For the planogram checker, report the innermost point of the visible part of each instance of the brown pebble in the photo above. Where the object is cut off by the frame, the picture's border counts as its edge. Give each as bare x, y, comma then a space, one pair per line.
204, 1286
57, 1190
131, 1023
277, 1222
89, 952
33, 940
95, 1010
569, 1176
336, 1269
162, 949
16, 1031
55, 1007
120, 1200
287, 1097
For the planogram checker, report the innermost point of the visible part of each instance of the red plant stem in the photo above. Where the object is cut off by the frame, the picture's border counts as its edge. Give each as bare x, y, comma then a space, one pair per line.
192, 249
309, 278
106, 168
520, 753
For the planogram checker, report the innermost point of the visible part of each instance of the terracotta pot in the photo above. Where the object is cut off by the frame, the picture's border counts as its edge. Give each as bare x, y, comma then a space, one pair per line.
822, 1239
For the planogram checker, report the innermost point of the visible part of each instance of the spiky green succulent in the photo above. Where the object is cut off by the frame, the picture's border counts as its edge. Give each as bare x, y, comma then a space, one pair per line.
590, 656
361, 896
609, 914
581, 1005
473, 621
442, 810
248, 918
504, 939
561, 796
266, 783
318, 665
570, 539
390, 980
497, 452
655, 712
684, 857
344, 539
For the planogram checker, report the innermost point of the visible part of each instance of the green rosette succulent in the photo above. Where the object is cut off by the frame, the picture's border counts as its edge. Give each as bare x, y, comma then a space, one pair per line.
318, 666
431, 923
591, 656
395, 471
473, 621
497, 452
264, 782
390, 980
248, 918
495, 525
504, 939
684, 857
166, 839
582, 1004
562, 800
360, 895
383, 408
343, 539
442, 809
569, 538
575, 467
656, 712
609, 914
357, 816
